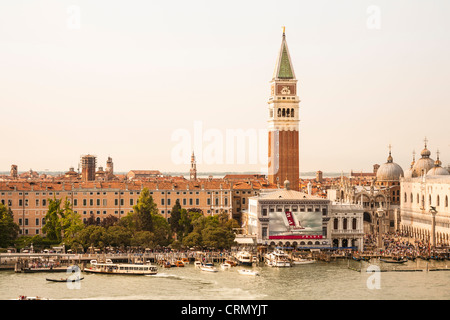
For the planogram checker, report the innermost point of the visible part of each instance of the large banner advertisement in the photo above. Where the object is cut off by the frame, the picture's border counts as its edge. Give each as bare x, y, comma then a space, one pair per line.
295, 225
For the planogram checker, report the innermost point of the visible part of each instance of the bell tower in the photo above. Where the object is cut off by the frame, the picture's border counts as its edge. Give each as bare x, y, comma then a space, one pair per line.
284, 122
193, 170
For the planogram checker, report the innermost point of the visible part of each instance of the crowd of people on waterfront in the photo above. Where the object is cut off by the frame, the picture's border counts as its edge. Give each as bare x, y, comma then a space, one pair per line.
397, 244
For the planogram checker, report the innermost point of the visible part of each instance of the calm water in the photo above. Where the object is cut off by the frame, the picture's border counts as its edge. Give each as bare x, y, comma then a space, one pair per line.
331, 281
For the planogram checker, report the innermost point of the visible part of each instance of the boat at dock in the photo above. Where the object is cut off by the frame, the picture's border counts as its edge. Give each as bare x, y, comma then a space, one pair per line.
393, 260
121, 268
277, 258
179, 264
302, 261
244, 258
208, 267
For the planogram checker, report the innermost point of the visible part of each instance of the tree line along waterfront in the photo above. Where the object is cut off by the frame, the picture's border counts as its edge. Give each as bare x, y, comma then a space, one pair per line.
143, 227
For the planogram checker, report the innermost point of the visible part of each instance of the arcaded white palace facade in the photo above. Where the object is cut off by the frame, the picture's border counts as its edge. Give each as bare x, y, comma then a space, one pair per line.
422, 198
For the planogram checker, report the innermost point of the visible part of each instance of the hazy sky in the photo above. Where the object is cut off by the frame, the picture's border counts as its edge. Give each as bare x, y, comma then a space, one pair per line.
125, 78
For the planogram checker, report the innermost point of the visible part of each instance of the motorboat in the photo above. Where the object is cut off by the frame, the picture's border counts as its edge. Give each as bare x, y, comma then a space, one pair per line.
121, 268
197, 264
208, 267
244, 257
179, 263
277, 258
231, 263
225, 266
303, 261
248, 272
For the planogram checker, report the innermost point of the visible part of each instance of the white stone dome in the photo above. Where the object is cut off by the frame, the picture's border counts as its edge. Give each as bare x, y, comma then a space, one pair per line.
424, 164
389, 171
437, 170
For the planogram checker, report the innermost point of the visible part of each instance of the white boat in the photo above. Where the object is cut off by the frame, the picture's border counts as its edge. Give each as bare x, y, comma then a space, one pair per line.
121, 268
248, 272
302, 261
277, 258
225, 266
197, 264
244, 258
208, 267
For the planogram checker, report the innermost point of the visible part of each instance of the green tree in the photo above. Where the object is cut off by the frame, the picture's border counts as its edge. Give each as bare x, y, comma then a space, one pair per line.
9, 230
144, 211
71, 223
144, 239
52, 227
91, 236
161, 230
118, 236
193, 239
175, 216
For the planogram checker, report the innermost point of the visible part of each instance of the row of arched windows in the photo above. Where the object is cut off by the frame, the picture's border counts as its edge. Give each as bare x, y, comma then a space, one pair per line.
285, 112
422, 201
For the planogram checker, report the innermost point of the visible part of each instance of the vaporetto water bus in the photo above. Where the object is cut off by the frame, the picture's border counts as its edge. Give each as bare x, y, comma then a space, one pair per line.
121, 268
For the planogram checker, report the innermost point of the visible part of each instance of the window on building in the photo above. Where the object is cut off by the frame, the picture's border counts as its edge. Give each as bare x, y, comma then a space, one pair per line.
264, 232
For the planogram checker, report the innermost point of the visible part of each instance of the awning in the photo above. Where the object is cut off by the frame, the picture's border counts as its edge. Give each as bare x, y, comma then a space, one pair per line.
242, 240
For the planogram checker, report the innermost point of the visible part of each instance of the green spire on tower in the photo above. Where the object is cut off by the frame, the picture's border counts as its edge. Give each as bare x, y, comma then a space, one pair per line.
283, 68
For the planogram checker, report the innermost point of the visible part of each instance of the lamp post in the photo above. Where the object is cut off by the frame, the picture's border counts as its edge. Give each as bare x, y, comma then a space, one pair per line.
380, 213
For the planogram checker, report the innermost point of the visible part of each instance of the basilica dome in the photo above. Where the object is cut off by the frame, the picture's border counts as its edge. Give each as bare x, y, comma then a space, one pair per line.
389, 171
437, 170
424, 164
